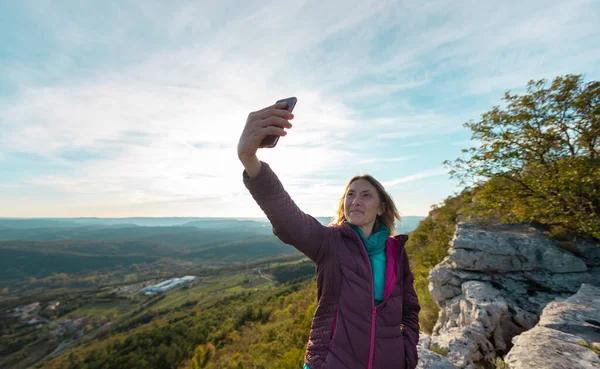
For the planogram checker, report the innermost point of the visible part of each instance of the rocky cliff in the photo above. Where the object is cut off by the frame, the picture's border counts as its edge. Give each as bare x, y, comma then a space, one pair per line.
495, 283
567, 335
429, 359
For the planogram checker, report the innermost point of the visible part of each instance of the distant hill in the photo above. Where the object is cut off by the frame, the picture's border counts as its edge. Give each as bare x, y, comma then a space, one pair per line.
177, 235
70, 222
182, 231
228, 224
409, 222
6, 223
116, 248
20, 263
22, 259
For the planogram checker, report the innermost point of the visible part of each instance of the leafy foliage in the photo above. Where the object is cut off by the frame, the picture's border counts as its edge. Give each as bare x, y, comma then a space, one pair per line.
32, 266
427, 246
294, 272
538, 158
501, 364
595, 347
439, 350
537, 162
261, 329
202, 355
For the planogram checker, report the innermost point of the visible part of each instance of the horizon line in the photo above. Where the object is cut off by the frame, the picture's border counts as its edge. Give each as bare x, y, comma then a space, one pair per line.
171, 217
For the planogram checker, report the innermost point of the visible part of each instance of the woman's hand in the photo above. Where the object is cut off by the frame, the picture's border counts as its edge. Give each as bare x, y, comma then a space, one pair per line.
269, 121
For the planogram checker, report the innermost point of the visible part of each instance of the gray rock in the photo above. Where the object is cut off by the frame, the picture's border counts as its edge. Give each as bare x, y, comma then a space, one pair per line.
588, 252
440, 286
507, 248
563, 335
479, 324
494, 284
424, 341
429, 359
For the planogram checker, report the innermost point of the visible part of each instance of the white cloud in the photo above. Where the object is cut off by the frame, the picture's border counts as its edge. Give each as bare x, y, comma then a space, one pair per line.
386, 160
168, 97
413, 177
464, 143
418, 143
382, 90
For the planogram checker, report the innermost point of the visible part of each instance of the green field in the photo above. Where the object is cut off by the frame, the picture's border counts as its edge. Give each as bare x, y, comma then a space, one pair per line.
113, 308
212, 289
123, 304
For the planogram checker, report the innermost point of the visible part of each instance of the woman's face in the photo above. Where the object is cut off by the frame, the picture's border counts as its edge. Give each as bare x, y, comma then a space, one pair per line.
362, 204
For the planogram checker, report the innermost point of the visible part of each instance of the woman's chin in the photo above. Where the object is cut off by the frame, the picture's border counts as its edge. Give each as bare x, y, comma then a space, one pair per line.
357, 221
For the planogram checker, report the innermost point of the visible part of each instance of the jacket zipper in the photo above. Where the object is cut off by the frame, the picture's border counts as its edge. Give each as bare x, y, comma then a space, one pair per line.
373, 307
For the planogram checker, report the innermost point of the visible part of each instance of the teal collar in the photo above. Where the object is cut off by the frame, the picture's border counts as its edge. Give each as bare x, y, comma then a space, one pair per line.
375, 244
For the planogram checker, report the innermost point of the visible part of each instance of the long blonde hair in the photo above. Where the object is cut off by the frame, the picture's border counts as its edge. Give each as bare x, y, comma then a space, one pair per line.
390, 212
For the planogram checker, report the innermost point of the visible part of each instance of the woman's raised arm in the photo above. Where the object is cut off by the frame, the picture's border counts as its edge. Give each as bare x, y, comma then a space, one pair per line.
290, 224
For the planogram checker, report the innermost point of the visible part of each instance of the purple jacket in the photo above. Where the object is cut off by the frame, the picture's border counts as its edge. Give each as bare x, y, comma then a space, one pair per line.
348, 331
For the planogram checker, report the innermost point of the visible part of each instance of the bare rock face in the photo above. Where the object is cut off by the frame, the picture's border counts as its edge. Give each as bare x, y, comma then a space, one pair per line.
476, 325
564, 335
429, 359
494, 284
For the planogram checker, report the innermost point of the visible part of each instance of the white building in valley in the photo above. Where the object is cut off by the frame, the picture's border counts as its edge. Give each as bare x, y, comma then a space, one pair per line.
167, 285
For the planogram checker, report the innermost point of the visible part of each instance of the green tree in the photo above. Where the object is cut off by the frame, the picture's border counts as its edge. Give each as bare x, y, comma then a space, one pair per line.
537, 158
75, 361
202, 355
291, 359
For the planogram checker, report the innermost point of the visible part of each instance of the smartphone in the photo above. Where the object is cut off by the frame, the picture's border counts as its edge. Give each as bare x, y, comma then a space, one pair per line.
271, 141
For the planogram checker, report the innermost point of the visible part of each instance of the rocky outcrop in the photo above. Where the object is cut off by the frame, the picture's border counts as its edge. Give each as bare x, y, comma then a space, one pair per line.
429, 359
564, 336
494, 284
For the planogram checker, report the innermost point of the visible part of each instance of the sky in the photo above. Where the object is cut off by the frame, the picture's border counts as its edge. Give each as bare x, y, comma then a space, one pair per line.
135, 108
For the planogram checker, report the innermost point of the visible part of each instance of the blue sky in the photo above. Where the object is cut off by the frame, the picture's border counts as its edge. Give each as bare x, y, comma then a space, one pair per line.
115, 109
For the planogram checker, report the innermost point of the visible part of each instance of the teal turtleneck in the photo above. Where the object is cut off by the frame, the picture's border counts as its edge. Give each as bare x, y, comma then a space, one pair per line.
375, 246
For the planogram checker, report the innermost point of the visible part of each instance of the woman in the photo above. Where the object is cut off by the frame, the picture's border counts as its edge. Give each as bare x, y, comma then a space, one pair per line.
367, 312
